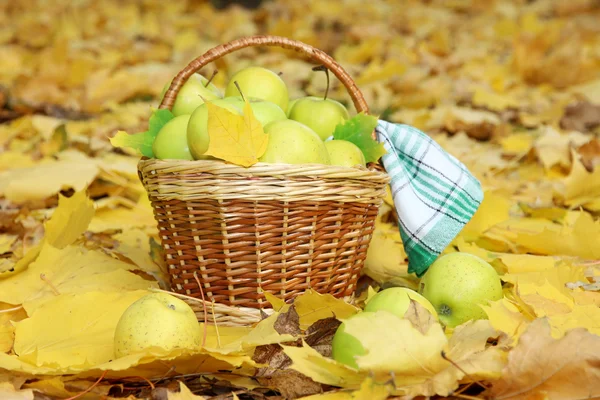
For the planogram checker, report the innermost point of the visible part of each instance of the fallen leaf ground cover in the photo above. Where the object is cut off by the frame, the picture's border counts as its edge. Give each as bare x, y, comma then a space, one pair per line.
511, 88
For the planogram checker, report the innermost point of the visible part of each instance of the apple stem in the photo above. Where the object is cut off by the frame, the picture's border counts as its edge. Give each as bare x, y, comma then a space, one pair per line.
239, 90
445, 357
215, 72
323, 68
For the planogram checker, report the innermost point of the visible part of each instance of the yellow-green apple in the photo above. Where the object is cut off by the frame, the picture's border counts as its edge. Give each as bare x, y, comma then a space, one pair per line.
457, 283
345, 153
397, 300
264, 111
193, 93
156, 320
171, 141
197, 128
293, 143
293, 102
319, 114
260, 83
345, 347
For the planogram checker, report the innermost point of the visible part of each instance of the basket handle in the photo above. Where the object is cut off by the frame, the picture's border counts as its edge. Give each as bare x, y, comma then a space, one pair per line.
265, 40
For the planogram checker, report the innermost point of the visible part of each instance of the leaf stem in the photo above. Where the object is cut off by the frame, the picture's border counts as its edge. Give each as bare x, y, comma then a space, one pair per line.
90, 388
445, 357
203, 307
52, 287
17, 308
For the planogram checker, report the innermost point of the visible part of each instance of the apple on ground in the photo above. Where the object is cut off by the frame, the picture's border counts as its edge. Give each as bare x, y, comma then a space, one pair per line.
293, 143
157, 320
260, 83
345, 347
264, 111
320, 114
345, 153
197, 128
397, 300
171, 141
457, 283
192, 94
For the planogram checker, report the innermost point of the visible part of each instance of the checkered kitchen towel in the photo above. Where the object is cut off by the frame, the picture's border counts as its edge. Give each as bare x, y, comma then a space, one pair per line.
434, 193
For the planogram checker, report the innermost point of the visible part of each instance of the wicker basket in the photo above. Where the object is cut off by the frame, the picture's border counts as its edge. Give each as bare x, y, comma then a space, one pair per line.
231, 233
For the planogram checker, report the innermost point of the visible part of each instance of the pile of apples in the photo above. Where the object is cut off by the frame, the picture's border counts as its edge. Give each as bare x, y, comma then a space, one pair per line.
452, 290
299, 130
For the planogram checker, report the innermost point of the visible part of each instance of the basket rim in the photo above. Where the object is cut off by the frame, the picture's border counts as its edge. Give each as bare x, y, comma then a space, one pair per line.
262, 169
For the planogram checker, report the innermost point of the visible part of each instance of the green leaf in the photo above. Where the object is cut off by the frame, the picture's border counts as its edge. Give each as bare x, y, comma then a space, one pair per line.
142, 142
358, 130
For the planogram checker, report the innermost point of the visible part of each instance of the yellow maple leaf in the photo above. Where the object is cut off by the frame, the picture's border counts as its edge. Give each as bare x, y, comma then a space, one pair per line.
8, 315
112, 214
312, 306
520, 263
69, 270
47, 178
69, 220
507, 317
587, 316
85, 334
493, 209
239, 139
396, 345
581, 186
494, 101
386, 260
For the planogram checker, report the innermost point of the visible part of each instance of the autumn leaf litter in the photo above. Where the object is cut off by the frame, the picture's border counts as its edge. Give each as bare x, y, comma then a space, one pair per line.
509, 89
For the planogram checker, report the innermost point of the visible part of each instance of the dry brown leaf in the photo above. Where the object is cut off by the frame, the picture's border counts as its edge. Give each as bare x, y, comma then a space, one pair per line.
544, 367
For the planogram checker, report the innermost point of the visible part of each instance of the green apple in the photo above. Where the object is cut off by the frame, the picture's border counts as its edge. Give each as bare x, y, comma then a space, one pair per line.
291, 142
397, 300
345, 347
345, 153
264, 111
171, 141
321, 115
261, 83
192, 94
456, 284
156, 320
197, 128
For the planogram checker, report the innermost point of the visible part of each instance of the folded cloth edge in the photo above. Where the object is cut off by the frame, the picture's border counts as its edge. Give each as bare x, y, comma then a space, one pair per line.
435, 195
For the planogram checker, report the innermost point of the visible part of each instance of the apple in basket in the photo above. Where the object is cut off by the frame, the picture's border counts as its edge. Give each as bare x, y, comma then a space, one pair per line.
194, 92
293, 143
305, 130
260, 83
264, 111
320, 114
157, 320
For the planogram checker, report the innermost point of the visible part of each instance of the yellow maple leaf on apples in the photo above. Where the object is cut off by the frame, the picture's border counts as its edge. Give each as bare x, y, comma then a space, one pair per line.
239, 139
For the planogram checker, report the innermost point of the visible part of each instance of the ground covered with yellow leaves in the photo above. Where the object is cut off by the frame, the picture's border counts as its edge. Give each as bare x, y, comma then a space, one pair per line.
511, 88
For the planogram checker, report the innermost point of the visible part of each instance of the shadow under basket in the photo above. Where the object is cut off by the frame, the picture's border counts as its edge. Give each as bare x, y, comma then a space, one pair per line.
232, 233
237, 232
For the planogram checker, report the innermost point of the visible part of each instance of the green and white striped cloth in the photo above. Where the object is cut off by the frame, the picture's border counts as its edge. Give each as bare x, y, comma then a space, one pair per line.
434, 194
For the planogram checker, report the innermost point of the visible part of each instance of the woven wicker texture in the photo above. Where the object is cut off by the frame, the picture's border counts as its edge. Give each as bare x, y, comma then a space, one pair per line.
275, 228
